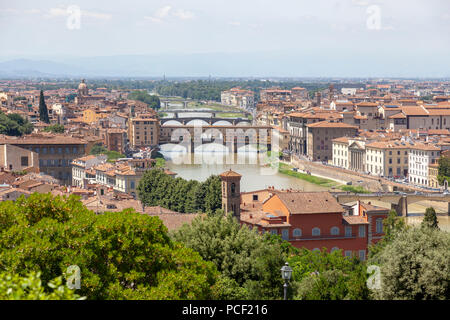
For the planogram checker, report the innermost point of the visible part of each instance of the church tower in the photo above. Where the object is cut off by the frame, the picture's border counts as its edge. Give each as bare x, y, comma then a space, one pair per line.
231, 193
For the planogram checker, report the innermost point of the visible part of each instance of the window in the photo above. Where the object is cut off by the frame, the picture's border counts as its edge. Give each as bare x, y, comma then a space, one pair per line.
274, 231
362, 255
24, 161
285, 234
52, 150
334, 249
297, 232
59, 150
348, 231
348, 253
316, 231
316, 250
334, 231
379, 225
132, 184
255, 197
362, 231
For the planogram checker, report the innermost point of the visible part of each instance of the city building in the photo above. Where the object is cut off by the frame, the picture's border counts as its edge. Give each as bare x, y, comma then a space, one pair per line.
320, 136
388, 158
15, 158
420, 157
237, 97
56, 152
143, 131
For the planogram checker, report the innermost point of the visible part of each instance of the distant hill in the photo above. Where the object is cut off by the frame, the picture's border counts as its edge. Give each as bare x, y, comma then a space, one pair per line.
261, 64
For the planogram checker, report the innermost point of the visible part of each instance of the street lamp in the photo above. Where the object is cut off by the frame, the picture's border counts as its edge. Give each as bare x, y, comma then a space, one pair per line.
286, 273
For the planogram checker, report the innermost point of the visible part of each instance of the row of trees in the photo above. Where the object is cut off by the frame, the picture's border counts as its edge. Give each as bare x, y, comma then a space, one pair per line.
112, 155
127, 255
159, 189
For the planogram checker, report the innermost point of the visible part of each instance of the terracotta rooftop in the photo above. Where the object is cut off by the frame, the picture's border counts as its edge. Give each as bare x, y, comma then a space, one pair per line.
230, 173
327, 124
310, 202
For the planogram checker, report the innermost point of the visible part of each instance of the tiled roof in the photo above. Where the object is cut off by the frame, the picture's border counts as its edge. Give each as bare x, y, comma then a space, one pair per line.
310, 202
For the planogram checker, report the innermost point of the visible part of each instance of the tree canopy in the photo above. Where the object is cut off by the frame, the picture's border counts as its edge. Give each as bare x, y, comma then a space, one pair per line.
415, 265
143, 96
14, 124
249, 263
159, 189
121, 255
56, 128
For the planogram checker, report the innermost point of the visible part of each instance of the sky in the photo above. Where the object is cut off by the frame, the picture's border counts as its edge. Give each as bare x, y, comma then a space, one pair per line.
414, 31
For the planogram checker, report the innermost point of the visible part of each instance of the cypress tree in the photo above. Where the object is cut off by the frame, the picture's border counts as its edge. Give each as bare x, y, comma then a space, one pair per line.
43, 111
430, 218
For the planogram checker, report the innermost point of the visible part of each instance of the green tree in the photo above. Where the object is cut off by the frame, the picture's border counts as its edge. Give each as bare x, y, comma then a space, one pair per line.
14, 124
328, 276
430, 219
43, 111
443, 170
152, 100
121, 255
30, 287
56, 128
248, 262
415, 266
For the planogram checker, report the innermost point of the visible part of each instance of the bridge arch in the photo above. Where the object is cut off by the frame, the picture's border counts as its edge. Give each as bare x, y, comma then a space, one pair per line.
197, 122
222, 123
172, 123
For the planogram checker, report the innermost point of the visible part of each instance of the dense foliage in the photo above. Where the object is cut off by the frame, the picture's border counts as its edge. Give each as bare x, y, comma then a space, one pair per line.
121, 255
249, 263
328, 276
152, 100
30, 287
56, 128
415, 265
14, 124
112, 155
443, 170
159, 189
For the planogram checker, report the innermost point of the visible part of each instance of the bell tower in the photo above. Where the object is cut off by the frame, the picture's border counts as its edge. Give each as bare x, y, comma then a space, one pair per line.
231, 193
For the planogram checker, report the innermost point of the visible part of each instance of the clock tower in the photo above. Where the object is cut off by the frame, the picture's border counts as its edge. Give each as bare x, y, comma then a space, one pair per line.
231, 193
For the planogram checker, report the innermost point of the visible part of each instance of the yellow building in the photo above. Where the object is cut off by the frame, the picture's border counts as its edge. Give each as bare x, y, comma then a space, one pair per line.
387, 158
93, 115
432, 175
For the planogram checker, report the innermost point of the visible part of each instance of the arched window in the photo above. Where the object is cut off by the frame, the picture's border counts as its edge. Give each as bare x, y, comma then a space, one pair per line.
334, 231
334, 249
316, 231
316, 250
297, 232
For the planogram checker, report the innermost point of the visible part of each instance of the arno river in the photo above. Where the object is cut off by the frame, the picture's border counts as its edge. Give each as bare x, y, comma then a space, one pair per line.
255, 176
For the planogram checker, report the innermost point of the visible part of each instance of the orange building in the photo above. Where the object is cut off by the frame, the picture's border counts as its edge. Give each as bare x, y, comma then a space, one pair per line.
312, 220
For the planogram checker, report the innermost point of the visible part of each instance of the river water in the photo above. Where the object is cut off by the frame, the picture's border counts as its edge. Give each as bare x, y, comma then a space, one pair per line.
212, 159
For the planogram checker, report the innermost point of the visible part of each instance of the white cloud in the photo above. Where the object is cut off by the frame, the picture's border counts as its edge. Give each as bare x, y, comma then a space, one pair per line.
166, 12
64, 12
184, 14
234, 23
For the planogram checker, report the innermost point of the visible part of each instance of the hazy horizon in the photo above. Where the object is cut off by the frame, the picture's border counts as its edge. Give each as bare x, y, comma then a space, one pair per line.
285, 38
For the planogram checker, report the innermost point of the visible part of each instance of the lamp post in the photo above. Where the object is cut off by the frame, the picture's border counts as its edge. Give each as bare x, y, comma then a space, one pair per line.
286, 273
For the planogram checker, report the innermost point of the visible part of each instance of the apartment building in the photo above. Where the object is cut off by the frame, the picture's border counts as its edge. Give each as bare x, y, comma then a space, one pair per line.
56, 152
82, 173
388, 158
421, 156
237, 97
320, 137
144, 131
